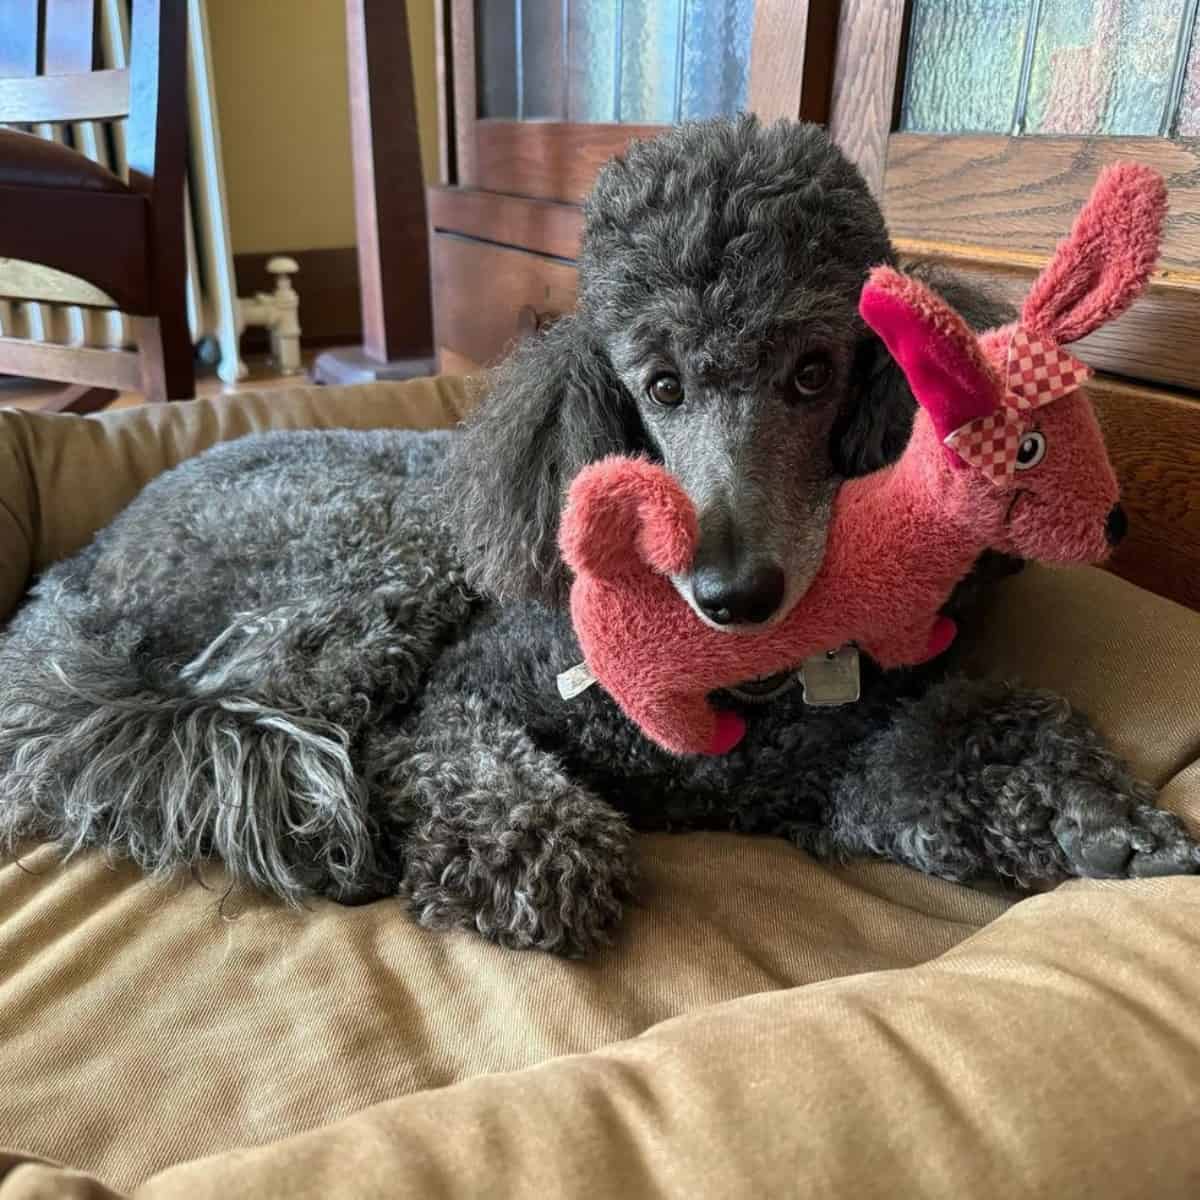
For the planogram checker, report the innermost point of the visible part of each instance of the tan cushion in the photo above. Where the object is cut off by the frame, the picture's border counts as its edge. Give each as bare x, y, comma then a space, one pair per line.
1128, 658
1055, 1053
125, 1006
62, 477
863, 1031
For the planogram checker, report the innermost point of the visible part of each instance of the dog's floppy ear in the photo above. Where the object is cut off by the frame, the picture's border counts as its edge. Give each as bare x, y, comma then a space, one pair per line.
553, 406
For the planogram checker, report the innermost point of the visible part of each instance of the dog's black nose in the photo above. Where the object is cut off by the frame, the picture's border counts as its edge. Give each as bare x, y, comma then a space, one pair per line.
747, 597
1117, 525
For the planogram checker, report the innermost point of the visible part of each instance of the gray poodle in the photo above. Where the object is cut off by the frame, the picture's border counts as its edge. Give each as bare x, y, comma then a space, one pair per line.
329, 658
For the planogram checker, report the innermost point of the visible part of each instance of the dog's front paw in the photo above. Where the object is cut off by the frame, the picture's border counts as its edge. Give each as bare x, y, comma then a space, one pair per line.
545, 877
1140, 842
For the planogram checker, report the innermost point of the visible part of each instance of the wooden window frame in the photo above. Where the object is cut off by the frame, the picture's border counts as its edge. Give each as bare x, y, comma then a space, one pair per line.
790, 54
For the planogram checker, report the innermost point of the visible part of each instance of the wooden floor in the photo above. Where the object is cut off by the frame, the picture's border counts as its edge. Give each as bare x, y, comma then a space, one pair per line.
27, 393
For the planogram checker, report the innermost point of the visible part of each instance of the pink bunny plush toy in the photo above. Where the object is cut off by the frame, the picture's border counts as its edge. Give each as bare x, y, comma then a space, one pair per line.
1005, 453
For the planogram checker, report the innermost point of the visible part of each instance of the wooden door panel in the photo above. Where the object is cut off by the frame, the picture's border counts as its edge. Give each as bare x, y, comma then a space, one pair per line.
549, 160
542, 226
1154, 341
480, 290
1153, 439
1021, 193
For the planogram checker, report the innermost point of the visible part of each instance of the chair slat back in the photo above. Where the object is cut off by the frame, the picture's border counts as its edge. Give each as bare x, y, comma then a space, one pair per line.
69, 37
19, 37
47, 52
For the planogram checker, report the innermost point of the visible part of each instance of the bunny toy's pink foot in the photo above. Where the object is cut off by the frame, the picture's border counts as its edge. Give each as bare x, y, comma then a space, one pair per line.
731, 728
944, 632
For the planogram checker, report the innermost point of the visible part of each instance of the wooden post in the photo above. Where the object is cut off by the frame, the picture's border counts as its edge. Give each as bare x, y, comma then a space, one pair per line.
389, 204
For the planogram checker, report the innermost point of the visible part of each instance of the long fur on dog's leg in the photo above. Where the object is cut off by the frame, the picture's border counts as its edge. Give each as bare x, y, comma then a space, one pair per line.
272, 793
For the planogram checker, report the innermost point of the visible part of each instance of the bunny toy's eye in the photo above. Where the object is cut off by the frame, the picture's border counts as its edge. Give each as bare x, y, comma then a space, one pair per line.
1031, 451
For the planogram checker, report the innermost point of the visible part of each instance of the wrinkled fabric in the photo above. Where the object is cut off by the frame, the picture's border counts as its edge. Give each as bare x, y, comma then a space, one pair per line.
763, 1025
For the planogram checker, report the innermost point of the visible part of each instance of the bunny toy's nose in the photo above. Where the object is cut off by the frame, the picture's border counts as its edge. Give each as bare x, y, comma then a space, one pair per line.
1117, 525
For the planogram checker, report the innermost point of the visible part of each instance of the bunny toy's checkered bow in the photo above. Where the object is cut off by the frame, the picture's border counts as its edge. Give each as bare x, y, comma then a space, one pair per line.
1038, 372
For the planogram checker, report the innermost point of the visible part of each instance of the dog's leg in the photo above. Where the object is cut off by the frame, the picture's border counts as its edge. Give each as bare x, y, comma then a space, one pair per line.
979, 778
491, 835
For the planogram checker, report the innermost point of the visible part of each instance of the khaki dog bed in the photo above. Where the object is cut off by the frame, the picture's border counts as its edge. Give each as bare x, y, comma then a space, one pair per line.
763, 1026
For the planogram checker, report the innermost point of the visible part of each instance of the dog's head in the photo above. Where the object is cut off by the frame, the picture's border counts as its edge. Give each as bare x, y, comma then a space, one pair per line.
717, 330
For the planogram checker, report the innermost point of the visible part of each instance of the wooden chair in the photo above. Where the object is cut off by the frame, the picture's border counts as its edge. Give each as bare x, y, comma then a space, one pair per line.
71, 232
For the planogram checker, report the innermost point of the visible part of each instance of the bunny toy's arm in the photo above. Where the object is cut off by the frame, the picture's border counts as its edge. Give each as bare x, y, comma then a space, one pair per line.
624, 514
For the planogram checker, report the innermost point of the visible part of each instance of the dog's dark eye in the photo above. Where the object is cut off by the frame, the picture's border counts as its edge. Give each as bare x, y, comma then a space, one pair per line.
813, 374
666, 390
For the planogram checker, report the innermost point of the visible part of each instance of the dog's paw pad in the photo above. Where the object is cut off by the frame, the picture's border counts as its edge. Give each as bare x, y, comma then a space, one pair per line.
1144, 842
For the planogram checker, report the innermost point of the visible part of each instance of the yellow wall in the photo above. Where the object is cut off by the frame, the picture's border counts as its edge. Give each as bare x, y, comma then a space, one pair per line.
280, 68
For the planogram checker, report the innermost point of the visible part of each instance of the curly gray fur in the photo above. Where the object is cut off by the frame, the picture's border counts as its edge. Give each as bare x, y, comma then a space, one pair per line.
281, 653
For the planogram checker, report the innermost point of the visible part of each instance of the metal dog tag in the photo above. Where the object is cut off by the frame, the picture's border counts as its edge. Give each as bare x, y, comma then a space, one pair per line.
832, 678
575, 681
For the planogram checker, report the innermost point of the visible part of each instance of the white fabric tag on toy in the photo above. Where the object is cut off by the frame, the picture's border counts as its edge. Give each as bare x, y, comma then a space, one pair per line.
832, 678
575, 681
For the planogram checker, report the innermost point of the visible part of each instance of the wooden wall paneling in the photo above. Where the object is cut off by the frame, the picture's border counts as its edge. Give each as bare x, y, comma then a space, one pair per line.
481, 290
867, 68
1023, 192
550, 160
1154, 441
542, 226
1155, 340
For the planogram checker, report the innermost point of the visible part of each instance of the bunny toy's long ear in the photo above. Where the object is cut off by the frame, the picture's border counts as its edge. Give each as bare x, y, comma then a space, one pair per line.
935, 349
1102, 266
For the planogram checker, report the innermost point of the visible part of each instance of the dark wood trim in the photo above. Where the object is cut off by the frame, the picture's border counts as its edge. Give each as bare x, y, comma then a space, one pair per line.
1154, 341
791, 58
465, 101
542, 226
117, 369
547, 160
869, 44
66, 228
1153, 438
80, 399
156, 147
330, 313
389, 195
1023, 192
481, 290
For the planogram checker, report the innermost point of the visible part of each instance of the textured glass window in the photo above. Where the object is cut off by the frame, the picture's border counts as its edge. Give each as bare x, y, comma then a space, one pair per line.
1111, 67
716, 57
496, 54
1187, 123
964, 65
541, 62
1103, 66
650, 40
593, 27
644, 61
